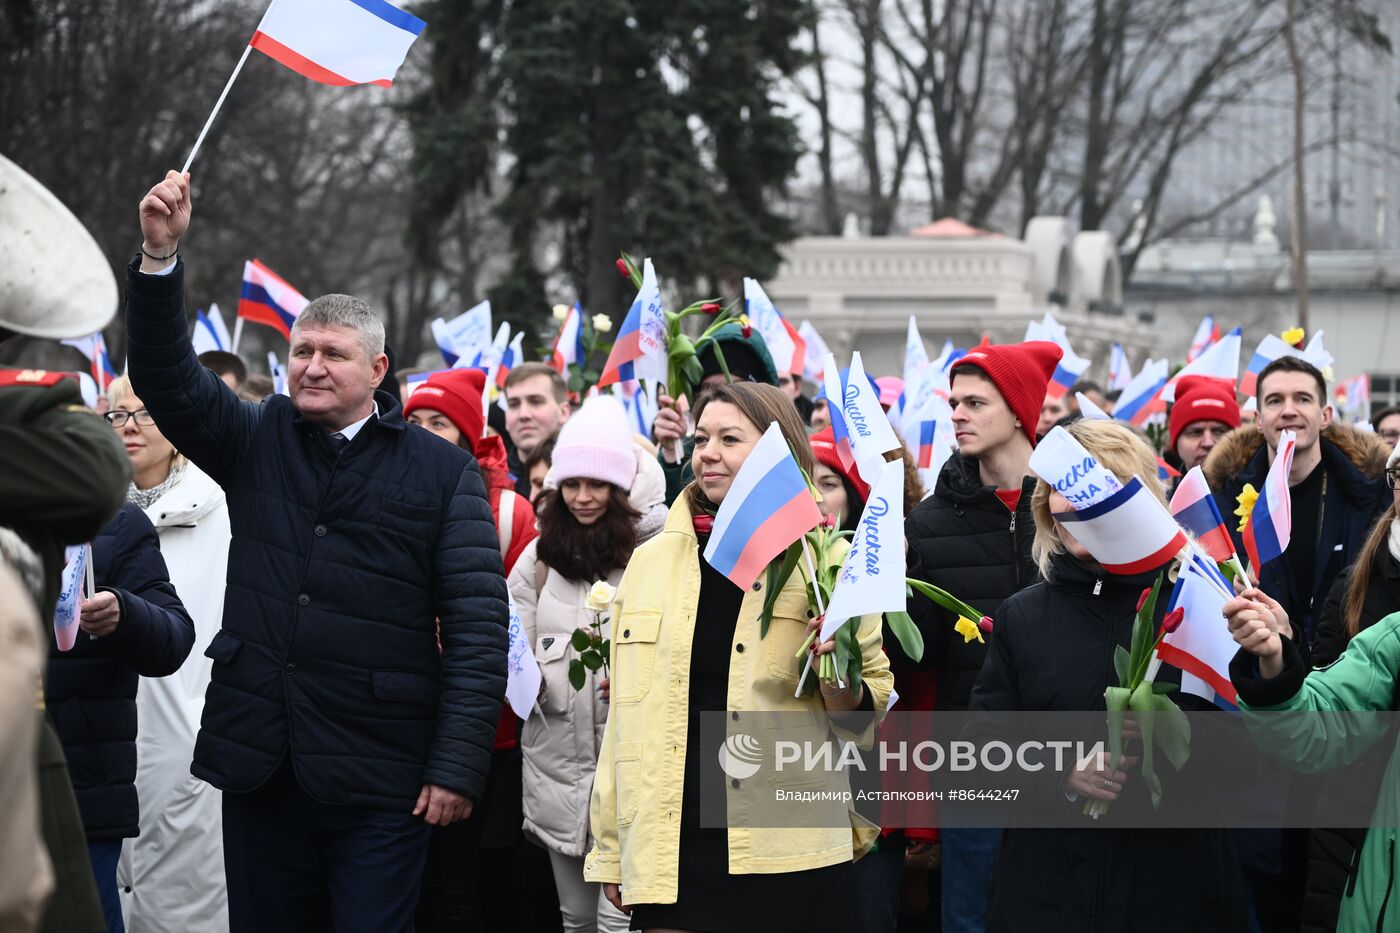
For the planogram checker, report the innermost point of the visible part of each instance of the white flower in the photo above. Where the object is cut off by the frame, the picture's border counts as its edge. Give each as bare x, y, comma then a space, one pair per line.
600, 596
561, 312
602, 323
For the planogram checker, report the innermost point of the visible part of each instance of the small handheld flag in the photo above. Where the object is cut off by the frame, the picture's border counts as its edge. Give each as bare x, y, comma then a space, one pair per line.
872, 575
1143, 397
1120, 374
1270, 525
513, 357
70, 595
815, 352
268, 299
338, 42
466, 338
785, 343
522, 670
768, 506
1221, 360
866, 425
1270, 348
1194, 508
94, 347
1201, 646
1207, 333
639, 352
568, 345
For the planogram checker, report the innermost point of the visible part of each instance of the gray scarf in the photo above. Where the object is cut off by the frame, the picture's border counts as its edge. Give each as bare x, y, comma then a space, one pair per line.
145, 498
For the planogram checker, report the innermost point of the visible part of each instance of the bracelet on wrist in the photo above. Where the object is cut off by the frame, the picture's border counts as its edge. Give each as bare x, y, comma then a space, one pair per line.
150, 255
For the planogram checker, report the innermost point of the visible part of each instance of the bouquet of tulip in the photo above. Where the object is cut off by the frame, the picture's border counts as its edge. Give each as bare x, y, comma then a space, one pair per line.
1164, 723
844, 664
593, 649
683, 369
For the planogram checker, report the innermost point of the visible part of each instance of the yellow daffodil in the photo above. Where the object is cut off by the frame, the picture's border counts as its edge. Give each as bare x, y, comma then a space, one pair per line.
1293, 336
968, 630
1245, 505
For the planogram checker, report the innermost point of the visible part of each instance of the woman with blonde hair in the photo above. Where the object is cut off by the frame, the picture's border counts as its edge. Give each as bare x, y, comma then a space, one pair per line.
1053, 652
685, 642
171, 876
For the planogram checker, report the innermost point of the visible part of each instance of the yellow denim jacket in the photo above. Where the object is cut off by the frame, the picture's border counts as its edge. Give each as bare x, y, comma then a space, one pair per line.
636, 803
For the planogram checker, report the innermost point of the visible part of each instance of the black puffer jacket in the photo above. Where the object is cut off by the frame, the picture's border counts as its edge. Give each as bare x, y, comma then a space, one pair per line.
1053, 651
343, 573
91, 689
964, 540
1333, 853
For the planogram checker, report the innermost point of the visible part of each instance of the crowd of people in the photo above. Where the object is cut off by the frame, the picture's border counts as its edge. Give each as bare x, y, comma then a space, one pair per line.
284, 709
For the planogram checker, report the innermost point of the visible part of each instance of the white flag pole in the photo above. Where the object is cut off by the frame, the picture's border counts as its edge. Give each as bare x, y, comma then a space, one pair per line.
217, 105
237, 335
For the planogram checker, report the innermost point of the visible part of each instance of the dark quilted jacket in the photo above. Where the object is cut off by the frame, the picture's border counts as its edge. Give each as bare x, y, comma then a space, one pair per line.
964, 540
91, 689
342, 571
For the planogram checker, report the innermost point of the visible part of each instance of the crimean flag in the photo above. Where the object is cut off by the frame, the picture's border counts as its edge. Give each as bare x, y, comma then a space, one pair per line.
639, 352
338, 41
1194, 509
768, 506
268, 299
1270, 525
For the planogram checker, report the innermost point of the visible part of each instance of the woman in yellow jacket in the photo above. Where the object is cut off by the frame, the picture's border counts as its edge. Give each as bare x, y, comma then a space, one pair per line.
686, 641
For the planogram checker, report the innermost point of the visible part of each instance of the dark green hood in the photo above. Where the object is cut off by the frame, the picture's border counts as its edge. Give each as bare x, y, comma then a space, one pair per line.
745, 356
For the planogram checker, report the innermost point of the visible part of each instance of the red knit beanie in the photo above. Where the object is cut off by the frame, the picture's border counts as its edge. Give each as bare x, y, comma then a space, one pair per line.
824, 449
1201, 398
1021, 372
457, 394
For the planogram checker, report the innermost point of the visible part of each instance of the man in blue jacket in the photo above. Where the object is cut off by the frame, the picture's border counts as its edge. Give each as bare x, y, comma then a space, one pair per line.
334, 723
133, 626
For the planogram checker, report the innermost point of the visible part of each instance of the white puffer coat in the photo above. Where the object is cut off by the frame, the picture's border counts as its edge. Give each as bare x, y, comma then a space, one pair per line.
560, 748
171, 877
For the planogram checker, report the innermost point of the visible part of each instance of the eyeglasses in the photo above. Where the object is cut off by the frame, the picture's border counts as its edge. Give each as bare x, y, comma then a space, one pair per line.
118, 418
1392, 477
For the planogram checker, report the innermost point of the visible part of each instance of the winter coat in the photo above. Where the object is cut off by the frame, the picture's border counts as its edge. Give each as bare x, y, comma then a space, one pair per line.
1356, 494
560, 742
91, 689
171, 876
636, 804
1332, 852
345, 569
964, 540
1053, 651
1362, 680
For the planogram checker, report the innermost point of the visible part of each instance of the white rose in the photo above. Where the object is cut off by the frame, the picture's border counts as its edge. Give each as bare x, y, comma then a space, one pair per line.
602, 323
600, 597
561, 312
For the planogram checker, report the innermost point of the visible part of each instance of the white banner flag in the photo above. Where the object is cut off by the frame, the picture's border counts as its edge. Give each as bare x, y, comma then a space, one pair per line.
872, 577
870, 431
1072, 471
522, 671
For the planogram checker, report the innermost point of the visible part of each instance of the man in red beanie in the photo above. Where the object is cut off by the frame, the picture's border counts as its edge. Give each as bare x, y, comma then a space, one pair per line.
1204, 412
973, 538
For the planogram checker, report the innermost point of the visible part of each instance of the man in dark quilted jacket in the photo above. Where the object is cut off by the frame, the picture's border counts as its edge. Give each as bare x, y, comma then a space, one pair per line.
336, 726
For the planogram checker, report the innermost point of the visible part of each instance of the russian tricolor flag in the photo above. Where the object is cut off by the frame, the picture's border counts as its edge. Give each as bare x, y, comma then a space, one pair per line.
1270, 525
1194, 509
338, 42
1067, 373
94, 347
1120, 373
639, 352
1270, 348
268, 299
1207, 333
768, 506
511, 358
1143, 396
568, 345
1221, 360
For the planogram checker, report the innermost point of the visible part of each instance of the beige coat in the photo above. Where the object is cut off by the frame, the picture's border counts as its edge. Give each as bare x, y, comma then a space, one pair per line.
560, 741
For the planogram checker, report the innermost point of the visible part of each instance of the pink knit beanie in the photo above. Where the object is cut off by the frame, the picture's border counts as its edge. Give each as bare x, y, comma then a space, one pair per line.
595, 443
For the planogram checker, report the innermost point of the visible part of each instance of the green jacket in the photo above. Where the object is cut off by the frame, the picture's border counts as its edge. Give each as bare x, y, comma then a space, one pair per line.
1363, 680
65, 475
